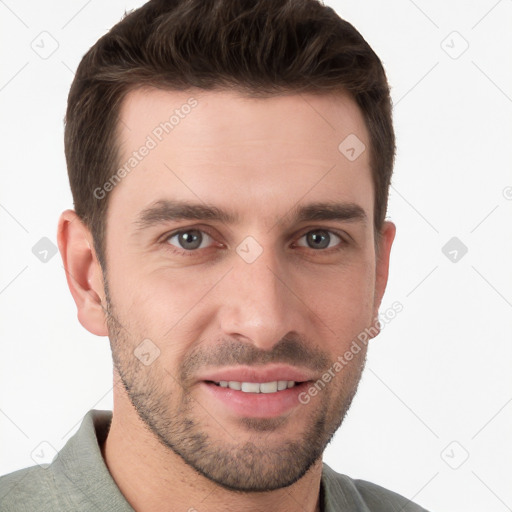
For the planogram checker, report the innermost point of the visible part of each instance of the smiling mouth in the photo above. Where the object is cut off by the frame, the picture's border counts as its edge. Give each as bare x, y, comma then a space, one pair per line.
256, 387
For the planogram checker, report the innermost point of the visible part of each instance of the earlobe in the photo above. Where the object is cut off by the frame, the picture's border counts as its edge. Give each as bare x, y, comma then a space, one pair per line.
83, 272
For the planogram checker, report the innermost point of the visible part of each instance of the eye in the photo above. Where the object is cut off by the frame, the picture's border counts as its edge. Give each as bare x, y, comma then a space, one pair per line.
321, 239
189, 240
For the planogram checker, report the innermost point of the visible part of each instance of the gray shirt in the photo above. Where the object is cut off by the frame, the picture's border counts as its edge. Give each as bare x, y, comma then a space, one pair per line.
78, 480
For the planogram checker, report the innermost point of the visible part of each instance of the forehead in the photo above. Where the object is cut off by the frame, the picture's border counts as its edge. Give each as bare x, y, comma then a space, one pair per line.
247, 153
218, 115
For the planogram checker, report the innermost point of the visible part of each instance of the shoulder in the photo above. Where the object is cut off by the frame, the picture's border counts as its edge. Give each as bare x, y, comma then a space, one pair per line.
31, 488
76, 476
362, 495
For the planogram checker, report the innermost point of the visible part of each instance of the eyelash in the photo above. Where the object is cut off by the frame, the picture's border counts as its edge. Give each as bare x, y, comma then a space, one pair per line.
183, 252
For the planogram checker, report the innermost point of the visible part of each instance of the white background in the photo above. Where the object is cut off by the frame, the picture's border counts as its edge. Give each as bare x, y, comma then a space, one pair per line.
437, 386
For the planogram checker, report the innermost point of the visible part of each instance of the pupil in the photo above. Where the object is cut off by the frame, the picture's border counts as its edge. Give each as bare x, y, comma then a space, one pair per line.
187, 239
317, 239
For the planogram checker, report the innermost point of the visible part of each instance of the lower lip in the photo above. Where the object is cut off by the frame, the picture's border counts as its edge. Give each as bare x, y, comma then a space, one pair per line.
256, 405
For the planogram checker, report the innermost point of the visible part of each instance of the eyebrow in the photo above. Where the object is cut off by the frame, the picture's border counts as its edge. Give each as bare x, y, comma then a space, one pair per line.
166, 210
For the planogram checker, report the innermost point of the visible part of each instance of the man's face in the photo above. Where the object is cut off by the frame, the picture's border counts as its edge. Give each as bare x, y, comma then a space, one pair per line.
264, 297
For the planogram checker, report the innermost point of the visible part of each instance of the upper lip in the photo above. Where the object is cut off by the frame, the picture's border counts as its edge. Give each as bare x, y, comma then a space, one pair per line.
269, 373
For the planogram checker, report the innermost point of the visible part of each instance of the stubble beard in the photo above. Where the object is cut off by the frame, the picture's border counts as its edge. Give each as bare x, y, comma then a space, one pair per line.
237, 465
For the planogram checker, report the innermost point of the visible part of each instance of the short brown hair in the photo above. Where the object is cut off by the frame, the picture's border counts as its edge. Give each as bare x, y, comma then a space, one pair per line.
259, 47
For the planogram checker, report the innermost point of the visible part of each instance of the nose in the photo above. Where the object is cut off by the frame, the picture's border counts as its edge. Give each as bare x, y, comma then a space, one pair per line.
260, 301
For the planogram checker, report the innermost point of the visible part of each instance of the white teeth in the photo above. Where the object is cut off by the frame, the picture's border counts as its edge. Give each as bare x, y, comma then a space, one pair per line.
281, 384
268, 387
250, 387
257, 387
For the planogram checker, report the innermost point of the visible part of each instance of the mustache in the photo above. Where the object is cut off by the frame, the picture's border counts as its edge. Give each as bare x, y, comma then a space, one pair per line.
290, 350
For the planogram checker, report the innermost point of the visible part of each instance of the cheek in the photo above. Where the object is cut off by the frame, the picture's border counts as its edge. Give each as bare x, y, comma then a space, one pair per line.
164, 308
156, 299
343, 299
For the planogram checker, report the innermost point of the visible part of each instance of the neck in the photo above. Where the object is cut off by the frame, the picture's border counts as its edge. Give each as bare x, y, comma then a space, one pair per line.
153, 478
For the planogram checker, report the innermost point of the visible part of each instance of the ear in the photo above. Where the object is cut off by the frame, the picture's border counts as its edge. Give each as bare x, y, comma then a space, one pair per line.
387, 235
83, 272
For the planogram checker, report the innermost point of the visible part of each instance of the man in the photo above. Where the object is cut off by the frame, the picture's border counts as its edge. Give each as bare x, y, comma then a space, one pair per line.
229, 163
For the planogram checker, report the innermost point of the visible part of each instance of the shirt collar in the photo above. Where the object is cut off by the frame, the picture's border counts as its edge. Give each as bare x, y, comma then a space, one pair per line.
82, 463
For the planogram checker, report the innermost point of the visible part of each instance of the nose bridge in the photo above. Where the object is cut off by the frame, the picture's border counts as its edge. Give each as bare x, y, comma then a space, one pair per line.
257, 302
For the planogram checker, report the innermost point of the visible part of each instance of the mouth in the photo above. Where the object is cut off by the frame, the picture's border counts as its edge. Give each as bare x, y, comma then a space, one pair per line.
252, 397
255, 391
